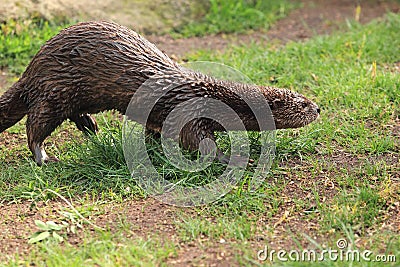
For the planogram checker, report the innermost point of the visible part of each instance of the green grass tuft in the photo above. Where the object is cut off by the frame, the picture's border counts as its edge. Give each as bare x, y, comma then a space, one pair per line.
228, 16
103, 249
19, 41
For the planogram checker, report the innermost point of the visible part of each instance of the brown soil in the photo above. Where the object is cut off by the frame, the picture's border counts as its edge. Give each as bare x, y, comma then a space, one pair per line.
144, 16
316, 17
5, 80
148, 217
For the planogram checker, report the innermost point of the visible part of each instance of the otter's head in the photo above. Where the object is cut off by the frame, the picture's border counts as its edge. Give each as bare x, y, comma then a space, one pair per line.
290, 109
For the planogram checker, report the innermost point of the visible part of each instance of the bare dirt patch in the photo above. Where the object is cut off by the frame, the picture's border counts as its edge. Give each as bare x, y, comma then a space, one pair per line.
5, 80
316, 17
156, 16
145, 218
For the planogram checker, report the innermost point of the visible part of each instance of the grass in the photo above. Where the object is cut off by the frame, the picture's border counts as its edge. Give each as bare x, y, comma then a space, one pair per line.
337, 176
19, 41
105, 249
236, 16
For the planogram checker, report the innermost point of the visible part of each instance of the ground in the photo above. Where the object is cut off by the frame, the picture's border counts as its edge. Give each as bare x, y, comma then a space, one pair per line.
316, 17
143, 16
149, 216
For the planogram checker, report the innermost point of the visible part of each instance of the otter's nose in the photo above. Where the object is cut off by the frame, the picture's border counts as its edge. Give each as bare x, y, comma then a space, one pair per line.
318, 110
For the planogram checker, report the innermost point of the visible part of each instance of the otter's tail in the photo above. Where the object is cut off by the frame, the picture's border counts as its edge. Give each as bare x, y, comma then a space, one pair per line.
12, 108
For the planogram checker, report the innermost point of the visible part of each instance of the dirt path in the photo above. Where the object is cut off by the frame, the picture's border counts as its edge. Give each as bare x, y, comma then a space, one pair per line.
316, 17
156, 16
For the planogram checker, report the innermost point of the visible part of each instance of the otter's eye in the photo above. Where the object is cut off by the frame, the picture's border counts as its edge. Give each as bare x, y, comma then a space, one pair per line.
304, 105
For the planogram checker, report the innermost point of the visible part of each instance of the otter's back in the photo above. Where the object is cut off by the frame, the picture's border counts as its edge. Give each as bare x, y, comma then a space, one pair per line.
100, 49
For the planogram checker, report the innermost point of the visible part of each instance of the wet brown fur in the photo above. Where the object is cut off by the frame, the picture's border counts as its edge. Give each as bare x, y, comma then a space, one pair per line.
96, 66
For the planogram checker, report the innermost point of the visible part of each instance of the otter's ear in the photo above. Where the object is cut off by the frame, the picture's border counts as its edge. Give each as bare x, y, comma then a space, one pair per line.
275, 104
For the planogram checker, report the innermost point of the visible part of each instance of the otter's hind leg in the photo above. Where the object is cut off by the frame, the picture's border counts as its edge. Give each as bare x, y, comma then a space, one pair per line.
38, 127
85, 123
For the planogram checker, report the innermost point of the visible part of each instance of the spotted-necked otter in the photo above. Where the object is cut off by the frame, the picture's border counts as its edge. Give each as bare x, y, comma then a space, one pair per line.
96, 66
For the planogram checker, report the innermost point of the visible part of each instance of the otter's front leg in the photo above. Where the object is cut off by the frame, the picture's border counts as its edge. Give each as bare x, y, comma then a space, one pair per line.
199, 135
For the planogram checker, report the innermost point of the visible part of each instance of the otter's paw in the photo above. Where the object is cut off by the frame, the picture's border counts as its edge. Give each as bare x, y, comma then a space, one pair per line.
51, 160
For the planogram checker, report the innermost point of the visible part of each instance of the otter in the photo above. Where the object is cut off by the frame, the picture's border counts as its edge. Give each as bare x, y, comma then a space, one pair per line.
96, 66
